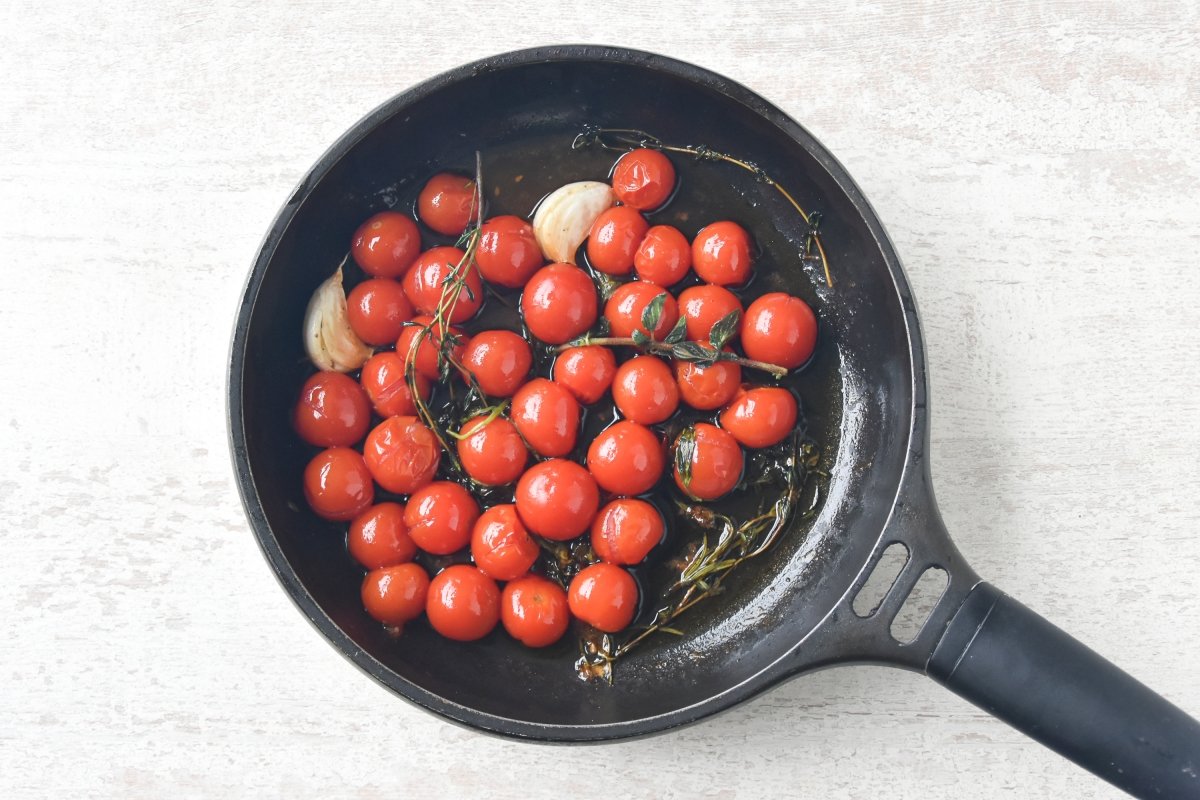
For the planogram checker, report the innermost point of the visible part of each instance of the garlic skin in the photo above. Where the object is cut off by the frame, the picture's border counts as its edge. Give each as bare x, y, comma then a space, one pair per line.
330, 341
565, 217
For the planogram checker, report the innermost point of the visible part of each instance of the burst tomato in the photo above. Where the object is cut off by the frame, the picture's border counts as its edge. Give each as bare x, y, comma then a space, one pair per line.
402, 454
644, 179
501, 546
379, 538
383, 378
586, 371
664, 256
547, 415
614, 239
440, 516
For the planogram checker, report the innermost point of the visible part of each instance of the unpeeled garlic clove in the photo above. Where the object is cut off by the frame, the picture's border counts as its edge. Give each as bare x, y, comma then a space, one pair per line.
330, 341
565, 217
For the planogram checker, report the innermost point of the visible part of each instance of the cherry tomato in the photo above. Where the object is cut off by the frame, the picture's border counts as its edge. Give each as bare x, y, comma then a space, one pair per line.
779, 329
402, 454
534, 611
586, 371
760, 417
705, 306
426, 357
337, 484
626, 458
614, 239
708, 387
721, 254
644, 179
645, 391
501, 546
377, 309
463, 604
664, 256
604, 596
492, 452
559, 303
332, 411
386, 244
499, 360
626, 530
446, 203
508, 252
715, 463
395, 595
383, 376
557, 499
624, 310
426, 280
379, 538
547, 415
440, 517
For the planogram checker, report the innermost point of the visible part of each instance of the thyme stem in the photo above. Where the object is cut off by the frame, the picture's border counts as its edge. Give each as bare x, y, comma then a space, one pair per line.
668, 350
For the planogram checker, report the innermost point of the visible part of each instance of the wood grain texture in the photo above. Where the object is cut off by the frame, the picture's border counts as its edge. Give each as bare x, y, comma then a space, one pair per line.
1038, 167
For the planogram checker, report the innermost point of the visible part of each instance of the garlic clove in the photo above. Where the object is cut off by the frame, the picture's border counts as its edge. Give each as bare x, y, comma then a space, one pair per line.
330, 341
564, 219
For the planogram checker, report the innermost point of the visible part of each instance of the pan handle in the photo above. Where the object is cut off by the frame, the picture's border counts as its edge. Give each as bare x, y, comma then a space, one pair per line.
1015, 665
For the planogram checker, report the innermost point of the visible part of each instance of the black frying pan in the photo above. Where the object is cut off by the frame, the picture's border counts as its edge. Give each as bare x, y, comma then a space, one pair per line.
865, 393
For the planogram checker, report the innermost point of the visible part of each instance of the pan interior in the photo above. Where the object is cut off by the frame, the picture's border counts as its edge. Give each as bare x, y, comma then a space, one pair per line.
522, 116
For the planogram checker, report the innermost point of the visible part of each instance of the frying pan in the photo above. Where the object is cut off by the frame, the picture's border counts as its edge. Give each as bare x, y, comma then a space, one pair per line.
794, 610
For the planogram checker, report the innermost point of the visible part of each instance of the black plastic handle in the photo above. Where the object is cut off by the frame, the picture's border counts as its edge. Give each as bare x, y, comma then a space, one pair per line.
1015, 665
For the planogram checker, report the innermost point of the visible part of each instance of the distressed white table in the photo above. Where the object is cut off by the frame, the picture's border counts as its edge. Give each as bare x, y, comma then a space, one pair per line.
1038, 169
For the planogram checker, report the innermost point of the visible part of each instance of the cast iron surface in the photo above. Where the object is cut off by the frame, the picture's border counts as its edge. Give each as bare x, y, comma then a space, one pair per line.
865, 392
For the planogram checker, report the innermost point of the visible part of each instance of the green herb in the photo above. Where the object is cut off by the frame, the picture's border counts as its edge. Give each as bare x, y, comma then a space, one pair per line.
685, 453
725, 329
652, 313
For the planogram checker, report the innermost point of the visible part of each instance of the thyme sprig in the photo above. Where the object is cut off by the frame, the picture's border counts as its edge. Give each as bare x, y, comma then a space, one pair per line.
624, 139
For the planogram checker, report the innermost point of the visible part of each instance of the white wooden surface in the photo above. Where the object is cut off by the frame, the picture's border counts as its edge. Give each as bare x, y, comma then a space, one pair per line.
1038, 168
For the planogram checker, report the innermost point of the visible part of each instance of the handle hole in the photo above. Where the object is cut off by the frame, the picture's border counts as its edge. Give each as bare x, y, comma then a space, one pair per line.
881, 580
919, 605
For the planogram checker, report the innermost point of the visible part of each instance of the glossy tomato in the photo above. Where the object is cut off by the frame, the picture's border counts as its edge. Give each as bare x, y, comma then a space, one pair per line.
614, 239
463, 604
421, 340
547, 415
332, 411
377, 309
383, 378
440, 517
501, 546
386, 244
664, 256
604, 596
707, 387
625, 308
645, 391
586, 371
395, 595
761, 416
704, 306
715, 463
499, 361
626, 458
379, 538
557, 499
508, 252
534, 611
779, 329
446, 203
428, 278
626, 530
492, 452
337, 484
644, 179
402, 454
721, 254
559, 303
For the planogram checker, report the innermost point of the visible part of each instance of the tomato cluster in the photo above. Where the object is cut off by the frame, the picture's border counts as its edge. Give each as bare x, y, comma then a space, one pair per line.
518, 477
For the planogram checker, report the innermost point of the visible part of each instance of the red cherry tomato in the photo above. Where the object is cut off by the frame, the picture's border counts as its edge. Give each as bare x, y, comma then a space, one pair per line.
585, 372
559, 303
557, 499
501, 546
332, 411
402, 454
626, 458
626, 530
337, 484
463, 604
426, 280
715, 463
547, 415
395, 595
614, 239
492, 453
386, 244
377, 309
624, 310
499, 360
426, 344
446, 203
664, 256
761, 417
645, 390
644, 179
721, 254
534, 611
440, 517
779, 329
383, 377
379, 538
604, 596
508, 252
705, 306
708, 387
